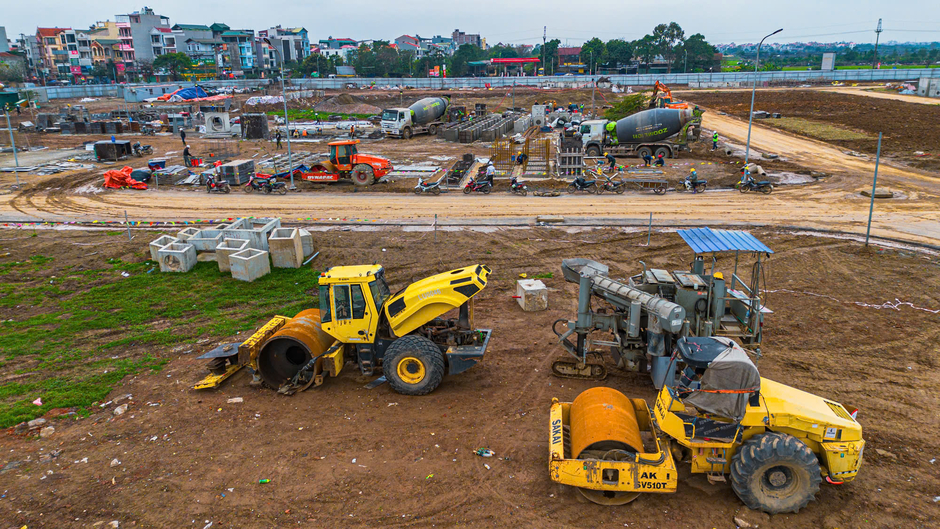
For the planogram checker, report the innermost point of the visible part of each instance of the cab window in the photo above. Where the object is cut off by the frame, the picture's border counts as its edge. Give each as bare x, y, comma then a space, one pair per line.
358, 303
325, 314
341, 302
585, 129
342, 154
380, 291
333, 154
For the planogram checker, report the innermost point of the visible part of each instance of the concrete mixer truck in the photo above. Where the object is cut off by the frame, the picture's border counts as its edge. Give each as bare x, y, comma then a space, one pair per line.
665, 131
425, 116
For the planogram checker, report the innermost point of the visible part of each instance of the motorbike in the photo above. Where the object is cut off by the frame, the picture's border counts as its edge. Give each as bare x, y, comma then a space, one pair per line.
750, 185
217, 187
582, 184
255, 183
273, 185
481, 186
517, 187
686, 185
612, 184
140, 150
433, 188
147, 130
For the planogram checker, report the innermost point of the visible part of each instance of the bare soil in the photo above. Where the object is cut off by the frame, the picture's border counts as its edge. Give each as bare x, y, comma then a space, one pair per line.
906, 127
345, 455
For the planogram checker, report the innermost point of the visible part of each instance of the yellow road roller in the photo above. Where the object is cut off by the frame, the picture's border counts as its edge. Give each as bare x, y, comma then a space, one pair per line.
776, 443
407, 336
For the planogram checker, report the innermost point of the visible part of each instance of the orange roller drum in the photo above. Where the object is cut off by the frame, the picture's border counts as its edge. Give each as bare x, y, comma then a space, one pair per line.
299, 340
603, 419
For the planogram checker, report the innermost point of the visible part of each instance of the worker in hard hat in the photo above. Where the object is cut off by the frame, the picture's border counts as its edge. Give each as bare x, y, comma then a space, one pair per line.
187, 157
715, 141
660, 161
611, 160
612, 132
647, 158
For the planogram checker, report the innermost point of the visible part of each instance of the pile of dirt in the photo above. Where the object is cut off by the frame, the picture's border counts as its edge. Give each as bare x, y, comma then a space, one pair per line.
907, 127
347, 104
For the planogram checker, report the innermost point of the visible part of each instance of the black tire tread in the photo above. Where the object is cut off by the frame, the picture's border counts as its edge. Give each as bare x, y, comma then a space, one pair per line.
766, 447
422, 348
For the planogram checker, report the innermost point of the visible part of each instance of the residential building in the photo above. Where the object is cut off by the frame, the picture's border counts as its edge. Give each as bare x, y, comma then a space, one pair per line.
29, 45
567, 56
218, 28
335, 44
4, 45
293, 44
238, 50
163, 40
459, 38
105, 44
135, 35
52, 52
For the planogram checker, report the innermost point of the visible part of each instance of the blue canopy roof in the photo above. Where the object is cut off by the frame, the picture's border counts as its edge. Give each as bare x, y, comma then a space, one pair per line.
707, 240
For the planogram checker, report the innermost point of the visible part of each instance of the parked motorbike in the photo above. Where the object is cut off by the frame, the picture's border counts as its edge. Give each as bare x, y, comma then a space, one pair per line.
256, 183
687, 185
749, 184
140, 150
217, 187
612, 184
479, 186
517, 187
147, 130
433, 188
273, 185
582, 184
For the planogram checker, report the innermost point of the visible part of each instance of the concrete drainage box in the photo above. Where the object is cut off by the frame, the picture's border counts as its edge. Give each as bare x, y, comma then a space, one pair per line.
158, 243
249, 264
177, 257
185, 234
206, 240
225, 249
255, 231
286, 248
532, 295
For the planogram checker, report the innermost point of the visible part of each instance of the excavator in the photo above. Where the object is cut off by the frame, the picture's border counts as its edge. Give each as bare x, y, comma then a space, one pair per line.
662, 98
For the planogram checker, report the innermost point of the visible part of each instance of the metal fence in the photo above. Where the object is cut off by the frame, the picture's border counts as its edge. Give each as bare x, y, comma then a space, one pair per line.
559, 81
634, 80
131, 92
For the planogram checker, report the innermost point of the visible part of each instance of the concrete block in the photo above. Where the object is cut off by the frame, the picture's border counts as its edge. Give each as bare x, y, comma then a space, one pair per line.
306, 239
256, 231
206, 240
158, 243
286, 248
177, 257
533, 295
185, 234
225, 249
249, 264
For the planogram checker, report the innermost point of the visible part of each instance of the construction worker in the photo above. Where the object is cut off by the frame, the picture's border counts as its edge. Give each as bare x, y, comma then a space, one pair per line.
715, 141
183, 136
660, 161
647, 159
611, 160
490, 173
693, 176
612, 132
187, 157
277, 139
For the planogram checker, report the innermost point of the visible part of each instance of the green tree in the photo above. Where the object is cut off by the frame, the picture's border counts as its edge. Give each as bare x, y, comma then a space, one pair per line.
593, 52
701, 54
175, 63
645, 49
619, 52
668, 39
100, 70
466, 53
550, 56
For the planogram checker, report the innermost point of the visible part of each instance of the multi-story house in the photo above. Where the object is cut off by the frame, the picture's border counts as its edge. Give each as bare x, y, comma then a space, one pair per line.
238, 50
134, 32
293, 44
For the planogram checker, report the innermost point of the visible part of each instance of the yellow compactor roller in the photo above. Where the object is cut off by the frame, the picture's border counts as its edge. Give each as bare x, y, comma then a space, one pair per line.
777, 443
408, 335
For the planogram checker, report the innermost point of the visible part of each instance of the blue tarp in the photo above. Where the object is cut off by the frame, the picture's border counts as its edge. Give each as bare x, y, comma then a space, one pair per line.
707, 240
194, 92
286, 174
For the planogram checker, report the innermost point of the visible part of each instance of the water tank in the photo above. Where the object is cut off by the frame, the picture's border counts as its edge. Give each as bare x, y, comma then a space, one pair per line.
652, 125
428, 109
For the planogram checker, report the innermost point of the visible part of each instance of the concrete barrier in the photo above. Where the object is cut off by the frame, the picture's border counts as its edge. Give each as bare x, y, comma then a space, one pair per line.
206, 240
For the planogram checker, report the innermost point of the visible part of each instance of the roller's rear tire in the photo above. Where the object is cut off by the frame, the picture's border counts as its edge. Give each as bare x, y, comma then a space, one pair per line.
363, 175
775, 473
413, 365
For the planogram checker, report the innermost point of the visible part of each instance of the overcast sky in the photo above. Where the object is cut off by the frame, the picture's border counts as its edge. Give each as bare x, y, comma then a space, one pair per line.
516, 21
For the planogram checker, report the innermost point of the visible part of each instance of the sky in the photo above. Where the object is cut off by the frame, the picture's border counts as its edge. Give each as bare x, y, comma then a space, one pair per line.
516, 21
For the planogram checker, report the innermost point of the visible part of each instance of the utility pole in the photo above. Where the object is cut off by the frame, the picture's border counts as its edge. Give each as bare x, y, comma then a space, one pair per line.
290, 158
874, 60
544, 33
593, 87
13, 143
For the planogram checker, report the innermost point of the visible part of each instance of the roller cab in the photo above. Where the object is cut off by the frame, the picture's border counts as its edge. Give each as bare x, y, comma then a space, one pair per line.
606, 445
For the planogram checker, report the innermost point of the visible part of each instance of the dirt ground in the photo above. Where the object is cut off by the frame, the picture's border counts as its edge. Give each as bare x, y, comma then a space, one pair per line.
852, 324
906, 127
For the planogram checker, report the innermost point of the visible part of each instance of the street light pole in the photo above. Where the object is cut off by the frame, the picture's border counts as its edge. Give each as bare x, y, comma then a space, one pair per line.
290, 158
13, 142
750, 117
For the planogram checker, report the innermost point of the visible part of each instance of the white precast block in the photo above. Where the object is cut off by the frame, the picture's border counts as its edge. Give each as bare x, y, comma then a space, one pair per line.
286, 248
186, 233
225, 249
158, 243
533, 295
206, 240
177, 257
249, 264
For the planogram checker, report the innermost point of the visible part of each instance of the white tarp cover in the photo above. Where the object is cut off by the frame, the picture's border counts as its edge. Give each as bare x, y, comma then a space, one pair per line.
731, 370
